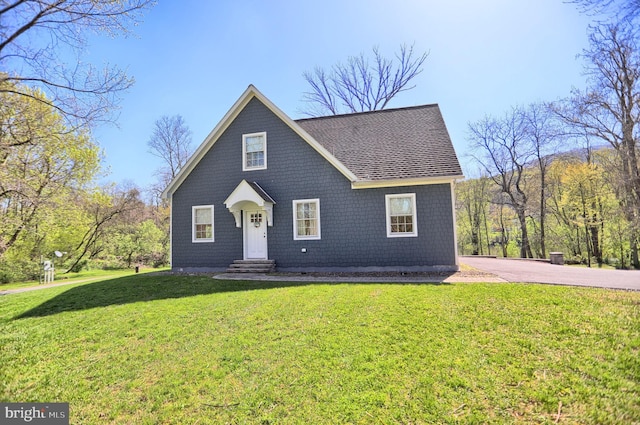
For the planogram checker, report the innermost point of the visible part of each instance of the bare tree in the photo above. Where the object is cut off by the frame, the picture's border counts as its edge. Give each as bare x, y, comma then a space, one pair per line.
170, 141
622, 9
543, 133
610, 110
502, 150
35, 34
360, 84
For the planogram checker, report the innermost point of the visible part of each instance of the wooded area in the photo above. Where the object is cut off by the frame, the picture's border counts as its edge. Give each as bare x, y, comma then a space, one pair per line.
50, 198
563, 176
50, 201
582, 214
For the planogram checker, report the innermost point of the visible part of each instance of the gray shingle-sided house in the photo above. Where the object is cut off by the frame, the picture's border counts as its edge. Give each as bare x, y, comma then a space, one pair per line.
369, 191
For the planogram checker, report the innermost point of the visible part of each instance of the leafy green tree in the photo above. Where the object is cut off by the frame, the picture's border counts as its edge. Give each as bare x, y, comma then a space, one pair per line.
102, 207
473, 200
140, 243
587, 221
581, 201
42, 162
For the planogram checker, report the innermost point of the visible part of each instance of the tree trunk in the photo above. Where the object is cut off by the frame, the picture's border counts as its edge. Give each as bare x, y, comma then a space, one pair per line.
486, 231
635, 261
503, 234
595, 237
586, 226
525, 247
543, 249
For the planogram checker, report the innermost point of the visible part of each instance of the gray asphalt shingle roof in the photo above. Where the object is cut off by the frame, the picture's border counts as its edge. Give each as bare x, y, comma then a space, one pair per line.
398, 143
260, 191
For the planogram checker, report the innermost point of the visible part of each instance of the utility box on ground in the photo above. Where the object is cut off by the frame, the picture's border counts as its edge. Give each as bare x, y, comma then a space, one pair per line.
556, 258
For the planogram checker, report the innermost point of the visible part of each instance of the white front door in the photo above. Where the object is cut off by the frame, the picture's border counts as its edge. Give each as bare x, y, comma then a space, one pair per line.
255, 235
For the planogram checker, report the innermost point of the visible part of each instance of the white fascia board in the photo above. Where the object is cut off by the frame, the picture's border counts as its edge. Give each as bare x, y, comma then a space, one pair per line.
373, 184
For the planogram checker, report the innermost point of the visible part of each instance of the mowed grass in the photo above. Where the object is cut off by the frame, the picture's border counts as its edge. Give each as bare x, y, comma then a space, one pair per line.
195, 350
83, 276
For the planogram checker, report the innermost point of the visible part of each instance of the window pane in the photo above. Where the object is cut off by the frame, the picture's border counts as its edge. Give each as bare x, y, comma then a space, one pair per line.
306, 210
203, 231
255, 159
399, 206
203, 215
307, 227
254, 144
311, 210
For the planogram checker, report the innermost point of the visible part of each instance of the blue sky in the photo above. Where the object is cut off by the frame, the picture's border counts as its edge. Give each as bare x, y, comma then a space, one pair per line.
196, 58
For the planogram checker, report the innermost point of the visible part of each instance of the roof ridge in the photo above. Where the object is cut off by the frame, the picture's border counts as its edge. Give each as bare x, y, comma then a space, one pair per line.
377, 111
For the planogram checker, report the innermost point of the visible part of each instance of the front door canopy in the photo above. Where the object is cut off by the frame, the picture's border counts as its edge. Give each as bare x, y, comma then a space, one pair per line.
248, 195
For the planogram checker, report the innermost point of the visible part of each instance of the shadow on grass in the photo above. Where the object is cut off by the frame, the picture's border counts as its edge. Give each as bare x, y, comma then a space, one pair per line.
142, 288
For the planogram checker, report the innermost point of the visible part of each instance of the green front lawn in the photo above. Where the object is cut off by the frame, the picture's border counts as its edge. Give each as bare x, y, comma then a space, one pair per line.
191, 349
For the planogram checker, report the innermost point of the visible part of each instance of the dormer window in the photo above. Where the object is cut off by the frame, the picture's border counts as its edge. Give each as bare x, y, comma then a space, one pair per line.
254, 151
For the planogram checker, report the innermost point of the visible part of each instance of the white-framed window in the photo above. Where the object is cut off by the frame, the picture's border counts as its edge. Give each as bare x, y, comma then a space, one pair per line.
254, 151
306, 219
401, 215
202, 223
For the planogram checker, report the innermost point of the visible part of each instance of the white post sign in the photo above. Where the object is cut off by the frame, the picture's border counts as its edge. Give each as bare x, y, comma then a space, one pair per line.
49, 271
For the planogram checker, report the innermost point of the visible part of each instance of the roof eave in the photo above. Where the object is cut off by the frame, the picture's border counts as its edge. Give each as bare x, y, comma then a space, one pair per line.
419, 181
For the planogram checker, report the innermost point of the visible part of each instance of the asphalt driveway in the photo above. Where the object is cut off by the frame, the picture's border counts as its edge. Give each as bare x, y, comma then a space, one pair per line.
514, 270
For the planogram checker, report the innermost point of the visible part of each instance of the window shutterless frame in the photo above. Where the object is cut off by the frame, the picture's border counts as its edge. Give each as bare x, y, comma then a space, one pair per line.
202, 223
254, 151
306, 219
401, 215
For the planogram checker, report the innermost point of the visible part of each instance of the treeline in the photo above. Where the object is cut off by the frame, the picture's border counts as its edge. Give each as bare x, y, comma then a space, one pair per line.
543, 186
50, 201
579, 213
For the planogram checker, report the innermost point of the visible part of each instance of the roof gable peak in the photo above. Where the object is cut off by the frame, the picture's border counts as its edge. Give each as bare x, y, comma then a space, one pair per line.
250, 93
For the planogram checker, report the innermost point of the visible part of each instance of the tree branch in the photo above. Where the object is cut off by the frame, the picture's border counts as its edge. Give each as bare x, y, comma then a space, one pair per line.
360, 86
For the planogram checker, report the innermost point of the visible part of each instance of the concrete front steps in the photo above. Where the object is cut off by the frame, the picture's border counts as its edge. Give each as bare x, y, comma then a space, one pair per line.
252, 266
